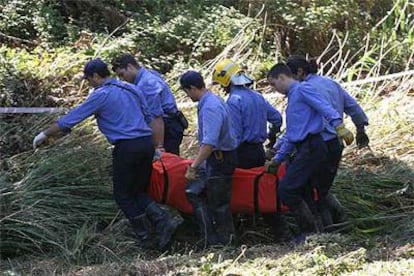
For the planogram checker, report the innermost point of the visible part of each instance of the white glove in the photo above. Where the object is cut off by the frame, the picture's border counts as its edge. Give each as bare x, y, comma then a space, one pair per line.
39, 139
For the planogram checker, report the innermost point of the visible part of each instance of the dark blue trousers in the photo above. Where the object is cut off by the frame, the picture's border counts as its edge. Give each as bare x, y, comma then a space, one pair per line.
173, 134
250, 155
132, 167
329, 168
303, 171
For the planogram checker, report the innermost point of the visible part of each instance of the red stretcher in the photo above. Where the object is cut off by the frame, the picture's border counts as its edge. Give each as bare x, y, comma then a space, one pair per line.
253, 190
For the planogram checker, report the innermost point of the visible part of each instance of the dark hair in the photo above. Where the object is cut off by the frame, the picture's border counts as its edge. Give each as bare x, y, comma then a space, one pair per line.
279, 69
309, 66
122, 62
96, 66
103, 72
192, 78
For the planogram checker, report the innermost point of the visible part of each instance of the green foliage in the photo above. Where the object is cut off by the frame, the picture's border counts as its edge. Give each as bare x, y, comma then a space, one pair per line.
50, 24
16, 18
58, 200
200, 37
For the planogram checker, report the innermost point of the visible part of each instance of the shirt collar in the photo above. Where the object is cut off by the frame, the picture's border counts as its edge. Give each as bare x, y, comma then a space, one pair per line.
141, 72
292, 87
106, 82
309, 76
203, 99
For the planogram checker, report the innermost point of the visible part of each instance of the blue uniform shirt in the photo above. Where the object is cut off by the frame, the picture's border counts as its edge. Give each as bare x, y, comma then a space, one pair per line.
339, 99
157, 93
120, 113
305, 113
249, 112
214, 123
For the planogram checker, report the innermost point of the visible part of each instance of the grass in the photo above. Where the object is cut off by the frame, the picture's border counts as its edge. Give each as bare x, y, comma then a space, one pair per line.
58, 216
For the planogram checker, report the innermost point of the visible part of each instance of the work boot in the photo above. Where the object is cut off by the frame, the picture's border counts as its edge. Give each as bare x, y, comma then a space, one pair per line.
224, 225
335, 208
279, 226
142, 229
325, 213
316, 215
165, 225
306, 221
203, 219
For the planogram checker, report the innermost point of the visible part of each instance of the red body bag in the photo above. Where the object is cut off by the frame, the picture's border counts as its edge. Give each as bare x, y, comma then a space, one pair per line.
253, 191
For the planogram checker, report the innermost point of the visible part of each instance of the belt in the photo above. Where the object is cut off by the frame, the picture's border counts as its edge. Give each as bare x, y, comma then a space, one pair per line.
251, 143
309, 136
170, 114
120, 141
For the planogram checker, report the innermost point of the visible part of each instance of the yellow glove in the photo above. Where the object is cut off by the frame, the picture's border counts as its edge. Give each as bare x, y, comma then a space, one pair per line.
271, 166
344, 134
191, 174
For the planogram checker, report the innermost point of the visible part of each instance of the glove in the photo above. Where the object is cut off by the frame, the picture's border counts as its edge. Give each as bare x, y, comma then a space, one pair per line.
191, 174
271, 166
362, 139
344, 134
157, 155
39, 139
270, 153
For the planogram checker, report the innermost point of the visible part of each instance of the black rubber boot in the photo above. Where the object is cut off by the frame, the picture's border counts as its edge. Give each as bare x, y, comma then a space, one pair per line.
165, 225
306, 221
224, 225
218, 199
317, 215
325, 213
142, 228
335, 208
279, 226
203, 219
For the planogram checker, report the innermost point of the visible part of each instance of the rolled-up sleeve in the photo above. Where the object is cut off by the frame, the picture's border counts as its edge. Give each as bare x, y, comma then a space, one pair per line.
89, 107
148, 117
212, 123
152, 90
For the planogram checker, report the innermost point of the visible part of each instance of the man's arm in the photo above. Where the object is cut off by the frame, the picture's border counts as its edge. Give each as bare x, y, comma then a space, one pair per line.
284, 150
212, 123
353, 109
314, 99
75, 116
203, 153
273, 116
157, 126
152, 97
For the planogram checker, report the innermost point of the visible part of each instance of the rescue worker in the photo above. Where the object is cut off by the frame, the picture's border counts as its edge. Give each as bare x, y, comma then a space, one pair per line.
212, 169
169, 122
122, 116
305, 114
328, 206
250, 113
